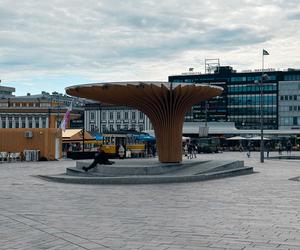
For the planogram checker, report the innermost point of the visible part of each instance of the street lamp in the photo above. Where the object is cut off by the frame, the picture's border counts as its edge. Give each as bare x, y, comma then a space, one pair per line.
263, 77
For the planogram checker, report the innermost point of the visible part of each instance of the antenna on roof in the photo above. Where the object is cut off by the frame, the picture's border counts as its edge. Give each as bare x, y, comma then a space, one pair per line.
212, 65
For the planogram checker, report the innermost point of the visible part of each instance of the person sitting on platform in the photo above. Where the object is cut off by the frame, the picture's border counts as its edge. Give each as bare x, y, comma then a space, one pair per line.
100, 158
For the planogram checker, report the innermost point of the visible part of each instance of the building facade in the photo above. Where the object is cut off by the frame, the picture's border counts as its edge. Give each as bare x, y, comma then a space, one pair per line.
36, 111
6, 92
289, 101
240, 101
108, 118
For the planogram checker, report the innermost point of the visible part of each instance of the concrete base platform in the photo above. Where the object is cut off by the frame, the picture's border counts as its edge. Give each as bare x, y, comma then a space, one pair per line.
285, 157
147, 171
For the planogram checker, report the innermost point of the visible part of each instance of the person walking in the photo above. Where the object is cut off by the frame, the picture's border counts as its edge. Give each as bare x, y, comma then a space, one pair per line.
190, 151
279, 146
249, 148
288, 147
268, 147
195, 150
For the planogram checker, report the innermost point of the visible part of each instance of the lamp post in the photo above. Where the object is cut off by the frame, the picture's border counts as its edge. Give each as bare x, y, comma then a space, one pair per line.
264, 53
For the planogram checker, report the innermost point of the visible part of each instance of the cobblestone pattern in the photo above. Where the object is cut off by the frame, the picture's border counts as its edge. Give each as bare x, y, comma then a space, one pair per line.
258, 211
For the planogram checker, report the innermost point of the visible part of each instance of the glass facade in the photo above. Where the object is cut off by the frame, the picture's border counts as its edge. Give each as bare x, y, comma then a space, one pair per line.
240, 100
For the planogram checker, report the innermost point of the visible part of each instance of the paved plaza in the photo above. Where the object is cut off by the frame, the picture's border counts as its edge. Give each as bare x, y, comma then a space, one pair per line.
256, 211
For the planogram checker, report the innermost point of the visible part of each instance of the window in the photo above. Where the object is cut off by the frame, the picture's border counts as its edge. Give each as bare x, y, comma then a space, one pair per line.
103, 115
23, 123
295, 108
133, 115
281, 98
92, 127
286, 121
103, 128
290, 108
290, 97
111, 127
44, 123
118, 127
141, 115
118, 115
286, 97
111, 115
295, 121
92, 115
126, 115
295, 97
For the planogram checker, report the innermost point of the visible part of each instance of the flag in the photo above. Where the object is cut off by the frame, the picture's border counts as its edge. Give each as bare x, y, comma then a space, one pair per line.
265, 53
66, 119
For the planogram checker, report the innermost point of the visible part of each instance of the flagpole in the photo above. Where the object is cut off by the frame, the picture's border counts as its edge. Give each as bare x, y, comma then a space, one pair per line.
262, 113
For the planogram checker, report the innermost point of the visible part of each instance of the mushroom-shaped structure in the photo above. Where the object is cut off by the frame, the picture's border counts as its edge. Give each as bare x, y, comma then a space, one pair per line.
164, 103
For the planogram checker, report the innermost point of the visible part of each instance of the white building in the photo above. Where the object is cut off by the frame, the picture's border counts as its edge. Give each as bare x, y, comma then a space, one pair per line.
289, 103
36, 111
104, 117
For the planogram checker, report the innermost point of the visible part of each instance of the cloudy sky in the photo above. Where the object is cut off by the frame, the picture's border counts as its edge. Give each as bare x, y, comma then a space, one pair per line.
49, 45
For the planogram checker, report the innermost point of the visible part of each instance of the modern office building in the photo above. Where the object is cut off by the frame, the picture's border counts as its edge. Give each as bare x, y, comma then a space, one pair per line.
240, 101
6, 92
107, 118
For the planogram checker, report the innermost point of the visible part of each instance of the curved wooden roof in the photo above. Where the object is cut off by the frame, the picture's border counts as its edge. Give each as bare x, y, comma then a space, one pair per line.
136, 93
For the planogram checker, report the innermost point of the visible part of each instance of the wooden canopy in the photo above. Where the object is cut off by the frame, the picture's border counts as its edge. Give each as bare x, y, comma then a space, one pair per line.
164, 103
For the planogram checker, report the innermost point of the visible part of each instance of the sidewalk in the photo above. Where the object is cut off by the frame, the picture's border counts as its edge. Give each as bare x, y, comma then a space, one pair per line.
258, 211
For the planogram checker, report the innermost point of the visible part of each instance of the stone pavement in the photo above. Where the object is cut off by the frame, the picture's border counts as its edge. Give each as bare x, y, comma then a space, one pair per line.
258, 211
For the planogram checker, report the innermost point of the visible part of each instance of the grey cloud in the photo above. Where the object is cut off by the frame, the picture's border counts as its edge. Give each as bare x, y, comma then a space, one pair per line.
88, 35
294, 16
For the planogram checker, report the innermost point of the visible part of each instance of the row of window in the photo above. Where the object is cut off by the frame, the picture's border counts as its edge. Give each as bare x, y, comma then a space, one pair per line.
289, 108
251, 78
251, 100
119, 115
22, 124
251, 88
252, 111
254, 123
4, 92
292, 77
288, 98
289, 86
118, 127
289, 121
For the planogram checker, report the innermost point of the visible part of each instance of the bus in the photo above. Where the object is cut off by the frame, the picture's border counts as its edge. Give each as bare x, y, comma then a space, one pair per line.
112, 141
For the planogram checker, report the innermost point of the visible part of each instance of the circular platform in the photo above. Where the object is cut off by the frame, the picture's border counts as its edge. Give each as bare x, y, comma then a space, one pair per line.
285, 157
147, 171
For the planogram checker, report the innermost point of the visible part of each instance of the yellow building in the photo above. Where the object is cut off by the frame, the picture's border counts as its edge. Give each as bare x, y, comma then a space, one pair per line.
45, 140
